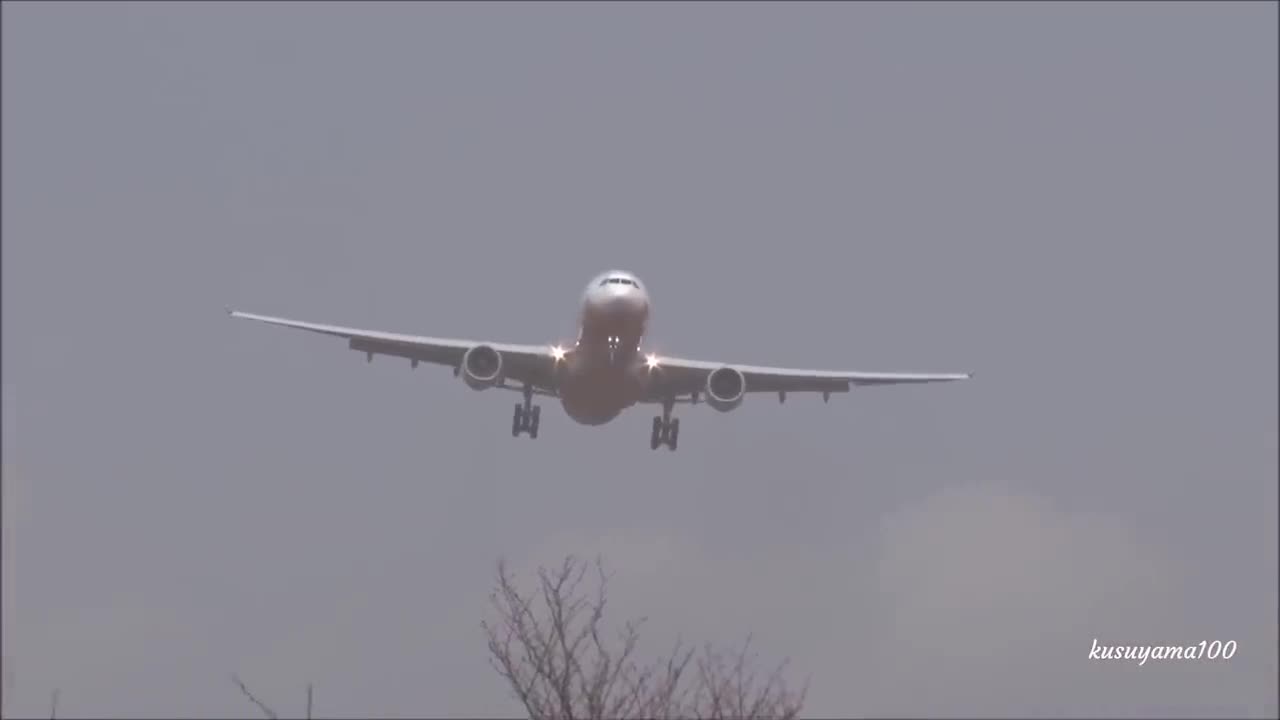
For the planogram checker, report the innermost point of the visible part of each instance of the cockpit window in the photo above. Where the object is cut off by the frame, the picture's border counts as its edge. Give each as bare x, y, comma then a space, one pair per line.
620, 281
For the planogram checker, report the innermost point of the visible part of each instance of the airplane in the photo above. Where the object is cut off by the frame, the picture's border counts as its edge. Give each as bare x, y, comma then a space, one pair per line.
604, 372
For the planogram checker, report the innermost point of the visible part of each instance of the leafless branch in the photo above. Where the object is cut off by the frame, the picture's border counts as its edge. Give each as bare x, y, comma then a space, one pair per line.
558, 664
261, 706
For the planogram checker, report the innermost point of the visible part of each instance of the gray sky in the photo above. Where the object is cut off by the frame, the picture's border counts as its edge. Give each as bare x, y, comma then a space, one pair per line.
1077, 202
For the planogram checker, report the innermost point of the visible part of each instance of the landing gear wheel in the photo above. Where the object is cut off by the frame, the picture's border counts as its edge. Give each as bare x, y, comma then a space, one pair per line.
517, 421
526, 416
666, 431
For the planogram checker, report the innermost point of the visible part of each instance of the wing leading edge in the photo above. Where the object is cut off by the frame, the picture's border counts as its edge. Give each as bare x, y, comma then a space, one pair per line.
680, 376
535, 364
531, 364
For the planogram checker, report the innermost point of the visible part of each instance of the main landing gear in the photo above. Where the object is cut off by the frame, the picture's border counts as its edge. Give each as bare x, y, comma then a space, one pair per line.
666, 429
526, 416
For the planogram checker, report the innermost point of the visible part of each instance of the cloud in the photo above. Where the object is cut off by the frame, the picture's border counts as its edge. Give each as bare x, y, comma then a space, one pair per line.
989, 600
996, 596
977, 600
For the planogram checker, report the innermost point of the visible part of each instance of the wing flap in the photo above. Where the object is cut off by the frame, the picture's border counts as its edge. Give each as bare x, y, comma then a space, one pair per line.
424, 353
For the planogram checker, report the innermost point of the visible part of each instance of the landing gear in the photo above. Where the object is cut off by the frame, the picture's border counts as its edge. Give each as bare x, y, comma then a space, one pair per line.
526, 416
666, 429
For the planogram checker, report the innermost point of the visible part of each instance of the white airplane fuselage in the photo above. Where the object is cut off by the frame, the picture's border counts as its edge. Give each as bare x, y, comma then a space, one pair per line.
605, 372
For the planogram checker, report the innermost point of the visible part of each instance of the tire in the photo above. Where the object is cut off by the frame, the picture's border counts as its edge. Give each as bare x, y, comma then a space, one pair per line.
533, 422
516, 421
673, 434
655, 439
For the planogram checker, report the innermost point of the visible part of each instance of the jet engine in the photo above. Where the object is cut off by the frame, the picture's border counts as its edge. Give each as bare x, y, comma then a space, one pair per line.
725, 389
481, 367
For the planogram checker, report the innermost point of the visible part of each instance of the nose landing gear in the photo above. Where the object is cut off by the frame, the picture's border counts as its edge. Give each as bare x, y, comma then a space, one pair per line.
666, 429
526, 416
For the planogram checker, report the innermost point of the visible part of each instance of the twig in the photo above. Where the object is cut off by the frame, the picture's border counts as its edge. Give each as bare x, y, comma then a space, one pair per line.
261, 706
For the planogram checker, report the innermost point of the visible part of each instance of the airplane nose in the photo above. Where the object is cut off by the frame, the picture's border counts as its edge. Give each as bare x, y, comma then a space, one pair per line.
625, 302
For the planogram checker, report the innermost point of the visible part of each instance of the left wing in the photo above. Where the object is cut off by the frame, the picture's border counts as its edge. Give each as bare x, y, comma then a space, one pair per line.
674, 376
532, 364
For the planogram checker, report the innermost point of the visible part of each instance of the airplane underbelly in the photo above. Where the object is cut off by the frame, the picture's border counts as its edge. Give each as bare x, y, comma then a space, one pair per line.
596, 395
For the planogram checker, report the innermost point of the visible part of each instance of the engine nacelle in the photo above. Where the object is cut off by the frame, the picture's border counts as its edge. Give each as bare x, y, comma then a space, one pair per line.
725, 389
481, 367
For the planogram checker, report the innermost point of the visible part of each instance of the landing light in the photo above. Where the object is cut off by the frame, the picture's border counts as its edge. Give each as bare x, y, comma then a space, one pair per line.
651, 361
557, 352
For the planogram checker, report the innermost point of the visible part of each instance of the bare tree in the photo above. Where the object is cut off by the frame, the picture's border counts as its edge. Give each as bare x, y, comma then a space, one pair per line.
559, 666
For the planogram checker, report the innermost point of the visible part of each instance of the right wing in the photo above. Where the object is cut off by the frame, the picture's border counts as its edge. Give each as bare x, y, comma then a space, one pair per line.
676, 376
531, 364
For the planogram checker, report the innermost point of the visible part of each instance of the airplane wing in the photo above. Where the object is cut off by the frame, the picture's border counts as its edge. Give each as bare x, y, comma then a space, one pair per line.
674, 376
532, 364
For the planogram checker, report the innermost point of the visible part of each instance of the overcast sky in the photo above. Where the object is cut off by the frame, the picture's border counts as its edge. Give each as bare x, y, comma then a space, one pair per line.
1077, 202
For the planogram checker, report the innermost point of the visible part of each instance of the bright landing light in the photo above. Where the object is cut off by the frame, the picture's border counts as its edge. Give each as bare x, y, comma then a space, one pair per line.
651, 361
557, 352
